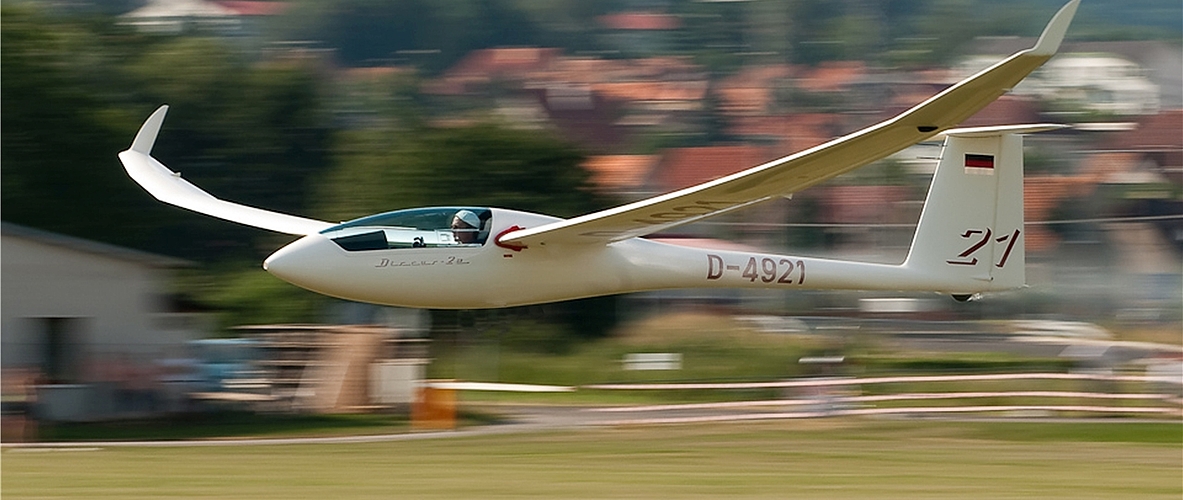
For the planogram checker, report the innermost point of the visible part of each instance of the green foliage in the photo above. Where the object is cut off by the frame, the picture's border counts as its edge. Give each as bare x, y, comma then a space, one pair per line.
247, 295
74, 93
221, 424
431, 35
59, 137
1166, 433
713, 348
959, 364
483, 165
532, 336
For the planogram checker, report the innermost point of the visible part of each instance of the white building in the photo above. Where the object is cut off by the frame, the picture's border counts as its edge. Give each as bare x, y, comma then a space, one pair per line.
1096, 82
1100, 83
71, 305
229, 18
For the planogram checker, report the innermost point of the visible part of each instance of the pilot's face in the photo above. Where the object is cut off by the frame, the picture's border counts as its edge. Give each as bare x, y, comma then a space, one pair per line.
463, 232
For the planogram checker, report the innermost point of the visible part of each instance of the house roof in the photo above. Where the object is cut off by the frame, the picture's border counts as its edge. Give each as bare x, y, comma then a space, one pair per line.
684, 167
832, 76
619, 173
1006, 110
1042, 194
484, 65
1109, 166
652, 90
860, 204
750, 90
253, 8
157, 9
640, 21
581, 116
794, 132
1163, 131
91, 247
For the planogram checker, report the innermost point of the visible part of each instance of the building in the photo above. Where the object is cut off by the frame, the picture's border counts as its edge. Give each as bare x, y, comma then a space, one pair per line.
226, 17
1122, 78
80, 312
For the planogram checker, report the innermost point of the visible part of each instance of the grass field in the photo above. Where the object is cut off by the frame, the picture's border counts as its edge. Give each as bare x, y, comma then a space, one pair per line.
838, 458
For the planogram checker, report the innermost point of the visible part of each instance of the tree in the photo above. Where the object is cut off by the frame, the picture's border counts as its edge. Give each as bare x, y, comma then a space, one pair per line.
429, 34
74, 93
482, 165
59, 136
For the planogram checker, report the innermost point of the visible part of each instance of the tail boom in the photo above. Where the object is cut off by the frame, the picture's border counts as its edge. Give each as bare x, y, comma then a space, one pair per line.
969, 238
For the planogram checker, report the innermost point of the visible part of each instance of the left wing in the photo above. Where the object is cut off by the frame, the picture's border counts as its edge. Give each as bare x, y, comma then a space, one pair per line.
169, 187
798, 171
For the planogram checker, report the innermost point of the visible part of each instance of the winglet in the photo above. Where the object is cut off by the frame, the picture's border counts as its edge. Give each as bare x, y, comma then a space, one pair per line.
148, 131
168, 186
1053, 34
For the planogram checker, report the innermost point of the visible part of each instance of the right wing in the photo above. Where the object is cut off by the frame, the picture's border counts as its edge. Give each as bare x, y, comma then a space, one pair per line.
798, 171
169, 187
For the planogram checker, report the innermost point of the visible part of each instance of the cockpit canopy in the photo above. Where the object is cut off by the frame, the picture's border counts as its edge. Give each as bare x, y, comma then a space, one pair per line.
449, 227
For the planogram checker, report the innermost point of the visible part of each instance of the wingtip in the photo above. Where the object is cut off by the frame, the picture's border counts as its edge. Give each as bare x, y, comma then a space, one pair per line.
1053, 34
148, 131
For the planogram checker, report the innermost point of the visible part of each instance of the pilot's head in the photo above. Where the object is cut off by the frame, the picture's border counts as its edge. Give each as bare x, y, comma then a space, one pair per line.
465, 226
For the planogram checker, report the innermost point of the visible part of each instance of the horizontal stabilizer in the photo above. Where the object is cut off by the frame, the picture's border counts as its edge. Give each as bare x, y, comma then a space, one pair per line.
996, 130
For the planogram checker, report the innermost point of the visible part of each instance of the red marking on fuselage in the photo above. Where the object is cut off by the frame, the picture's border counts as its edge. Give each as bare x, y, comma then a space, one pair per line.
514, 247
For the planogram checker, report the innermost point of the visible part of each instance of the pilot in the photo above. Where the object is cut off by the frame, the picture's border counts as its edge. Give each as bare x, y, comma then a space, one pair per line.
466, 227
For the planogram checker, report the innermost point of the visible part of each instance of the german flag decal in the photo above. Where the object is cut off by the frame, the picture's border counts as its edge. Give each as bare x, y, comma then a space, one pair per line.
979, 164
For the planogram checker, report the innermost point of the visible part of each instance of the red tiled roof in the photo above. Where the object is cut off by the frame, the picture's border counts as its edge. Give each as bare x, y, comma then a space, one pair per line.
253, 8
743, 100
795, 132
493, 62
1160, 131
684, 167
1158, 137
749, 92
582, 116
1042, 194
374, 73
1007, 110
484, 65
651, 90
640, 21
1103, 167
832, 76
860, 204
617, 173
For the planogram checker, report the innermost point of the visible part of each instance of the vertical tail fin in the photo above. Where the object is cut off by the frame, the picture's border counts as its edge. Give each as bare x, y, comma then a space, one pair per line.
970, 235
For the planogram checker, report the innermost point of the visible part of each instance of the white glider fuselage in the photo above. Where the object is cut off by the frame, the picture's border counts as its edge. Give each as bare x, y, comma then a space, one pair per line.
475, 278
486, 276
465, 277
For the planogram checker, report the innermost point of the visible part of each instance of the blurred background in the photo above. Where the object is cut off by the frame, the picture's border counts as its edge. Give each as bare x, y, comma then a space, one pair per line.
340, 109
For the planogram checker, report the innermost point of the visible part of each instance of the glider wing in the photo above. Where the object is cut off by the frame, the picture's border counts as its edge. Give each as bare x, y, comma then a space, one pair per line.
169, 187
792, 173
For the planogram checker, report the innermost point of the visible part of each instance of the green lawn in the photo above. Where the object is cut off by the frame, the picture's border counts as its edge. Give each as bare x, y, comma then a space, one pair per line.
837, 458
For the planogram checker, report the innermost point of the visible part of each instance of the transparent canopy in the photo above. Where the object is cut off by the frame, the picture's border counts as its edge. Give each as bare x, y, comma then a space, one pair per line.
414, 228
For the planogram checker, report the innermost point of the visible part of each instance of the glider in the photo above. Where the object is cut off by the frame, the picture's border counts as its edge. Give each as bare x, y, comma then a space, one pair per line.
969, 238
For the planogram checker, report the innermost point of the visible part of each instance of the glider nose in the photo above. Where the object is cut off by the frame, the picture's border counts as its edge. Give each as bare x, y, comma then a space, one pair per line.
301, 262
